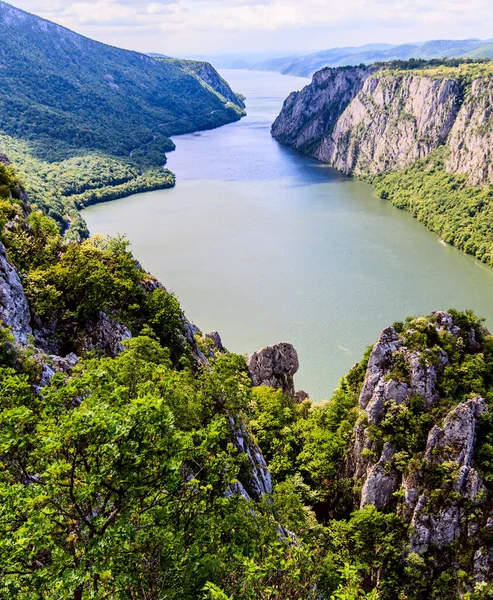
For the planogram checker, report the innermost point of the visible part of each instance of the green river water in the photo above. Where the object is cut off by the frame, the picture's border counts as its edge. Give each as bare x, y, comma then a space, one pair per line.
265, 245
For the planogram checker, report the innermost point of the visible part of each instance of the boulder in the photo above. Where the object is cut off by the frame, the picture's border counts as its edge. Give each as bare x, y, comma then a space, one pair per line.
275, 366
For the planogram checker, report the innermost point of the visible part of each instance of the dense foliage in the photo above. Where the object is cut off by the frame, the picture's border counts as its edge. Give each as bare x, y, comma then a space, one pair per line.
460, 214
92, 96
60, 189
120, 477
86, 122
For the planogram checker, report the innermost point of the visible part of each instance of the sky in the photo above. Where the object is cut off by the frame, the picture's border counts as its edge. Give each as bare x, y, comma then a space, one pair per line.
275, 27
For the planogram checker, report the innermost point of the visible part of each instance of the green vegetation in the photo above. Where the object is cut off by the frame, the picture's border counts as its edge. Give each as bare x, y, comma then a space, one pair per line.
460, 214
88, 95
119, 478
460, 69
86, 122
61, 189
453, 66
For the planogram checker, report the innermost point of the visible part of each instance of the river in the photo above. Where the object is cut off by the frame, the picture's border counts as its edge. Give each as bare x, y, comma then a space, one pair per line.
265, 245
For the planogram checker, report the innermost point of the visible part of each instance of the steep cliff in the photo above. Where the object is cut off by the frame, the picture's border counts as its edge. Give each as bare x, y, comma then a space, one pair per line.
418, 446
368, 121
423, 136
307, 116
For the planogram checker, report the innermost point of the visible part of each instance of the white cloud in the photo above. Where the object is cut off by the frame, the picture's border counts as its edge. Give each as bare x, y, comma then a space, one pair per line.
205, 20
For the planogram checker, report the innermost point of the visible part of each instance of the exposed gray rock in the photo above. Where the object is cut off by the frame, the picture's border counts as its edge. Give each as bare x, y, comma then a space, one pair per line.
191, 330
471, 138
52, 364
301, 396
307, 116
396, 374
456, 439
216, 339
14, 309
361, 121
483, 563
445, 322
391, 123
379, 364
275, 366
382, 481
105, 335
451, 444
259, 483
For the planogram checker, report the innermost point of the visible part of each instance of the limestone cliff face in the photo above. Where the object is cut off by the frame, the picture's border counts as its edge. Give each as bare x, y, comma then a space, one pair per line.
309, 115
367, 121
439, 509
14, 309
471, 138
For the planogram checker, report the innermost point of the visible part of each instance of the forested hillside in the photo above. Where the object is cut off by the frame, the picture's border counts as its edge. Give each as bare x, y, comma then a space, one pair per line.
139, 460
64, 96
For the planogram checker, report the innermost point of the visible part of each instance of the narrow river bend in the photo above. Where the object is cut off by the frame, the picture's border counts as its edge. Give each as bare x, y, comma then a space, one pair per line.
265, 245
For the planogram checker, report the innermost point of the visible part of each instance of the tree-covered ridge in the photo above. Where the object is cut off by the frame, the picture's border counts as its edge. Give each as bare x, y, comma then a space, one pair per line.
58, 85
466, 69
86, 122
61, 188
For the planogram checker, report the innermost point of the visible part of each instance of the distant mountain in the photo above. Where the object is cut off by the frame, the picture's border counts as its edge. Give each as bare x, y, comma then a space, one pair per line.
233, 60
58, 86
305, 66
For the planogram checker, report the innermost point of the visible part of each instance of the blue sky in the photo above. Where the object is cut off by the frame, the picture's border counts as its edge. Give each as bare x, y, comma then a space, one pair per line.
184, 27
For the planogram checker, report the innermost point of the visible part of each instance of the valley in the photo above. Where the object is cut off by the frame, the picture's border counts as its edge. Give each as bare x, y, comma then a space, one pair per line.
305, 252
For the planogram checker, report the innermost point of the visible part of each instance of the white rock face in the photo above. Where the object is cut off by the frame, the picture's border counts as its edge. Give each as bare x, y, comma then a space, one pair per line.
391, 123
309, 115
471, 138
381, 482
361, 122
14, 309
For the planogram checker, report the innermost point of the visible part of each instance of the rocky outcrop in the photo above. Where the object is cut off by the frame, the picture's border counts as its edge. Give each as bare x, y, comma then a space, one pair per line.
309, 115
14, 309
437, 491
215, 338
257, 483
450, 446
366, 121
105, 335
275, 366
52, 364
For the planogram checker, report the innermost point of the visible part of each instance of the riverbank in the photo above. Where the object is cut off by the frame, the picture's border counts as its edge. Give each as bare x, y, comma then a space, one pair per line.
266, 245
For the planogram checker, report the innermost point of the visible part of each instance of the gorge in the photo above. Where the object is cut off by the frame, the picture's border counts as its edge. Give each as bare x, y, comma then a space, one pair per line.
143, 458
306, 254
